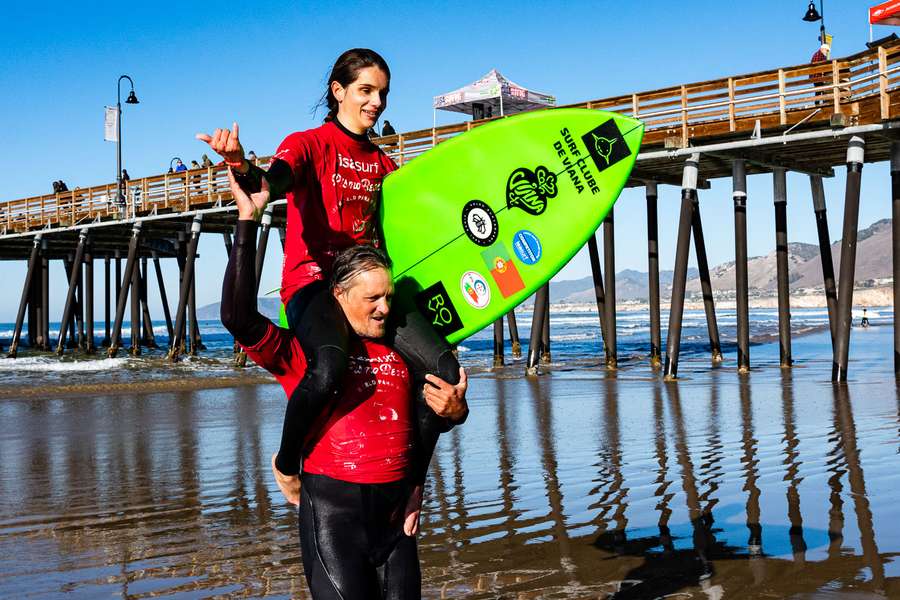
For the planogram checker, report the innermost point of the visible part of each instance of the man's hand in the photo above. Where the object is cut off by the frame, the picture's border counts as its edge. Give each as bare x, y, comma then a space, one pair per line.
250, 206
447, 401
412, 512
288, 484
226, 144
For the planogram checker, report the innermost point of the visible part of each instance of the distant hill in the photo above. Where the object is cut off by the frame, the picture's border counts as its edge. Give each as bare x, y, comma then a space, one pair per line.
873, 261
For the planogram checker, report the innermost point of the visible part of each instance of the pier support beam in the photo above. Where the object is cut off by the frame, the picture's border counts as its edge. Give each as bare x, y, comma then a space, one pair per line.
26, 292
779, 177
742, 300
106, 292
541, 299
45, 297
679, 279
70, 296
135, 349
498, 342
609, 264
599, 293
514, 334
818, 197
186, 288
855, 154
147, 320
122, 291
545, 329
653, 275
895, 239
160, 283
709, 306
89, 300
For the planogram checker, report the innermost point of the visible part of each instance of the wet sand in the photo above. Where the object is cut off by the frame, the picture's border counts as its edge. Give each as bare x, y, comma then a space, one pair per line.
577, 484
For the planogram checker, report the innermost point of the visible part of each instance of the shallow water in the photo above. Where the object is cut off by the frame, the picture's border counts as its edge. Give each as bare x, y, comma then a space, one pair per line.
576, 484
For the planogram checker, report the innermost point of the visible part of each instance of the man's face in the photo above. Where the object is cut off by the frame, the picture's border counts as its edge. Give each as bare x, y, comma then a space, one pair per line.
366, 302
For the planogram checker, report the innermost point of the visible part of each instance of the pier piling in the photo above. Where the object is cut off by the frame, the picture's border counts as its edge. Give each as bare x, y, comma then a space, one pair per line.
895, 239
89, 299
742, 300
135, 349
122, 290
498, 342
653, 274
45, 296
609, 264
679, 278
514, 334
779, 177
818, 197
26, 289
74, 276
855, 154
163, 298
149, 339
187, 280
106, 292
541, 299
599, 292
709, 306
545, 329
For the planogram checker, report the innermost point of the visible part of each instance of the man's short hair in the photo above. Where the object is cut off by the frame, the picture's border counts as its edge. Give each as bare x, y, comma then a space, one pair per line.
354, 261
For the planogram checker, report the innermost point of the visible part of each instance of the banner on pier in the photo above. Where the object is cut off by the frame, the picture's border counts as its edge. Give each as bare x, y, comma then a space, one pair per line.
110, 134
886, 13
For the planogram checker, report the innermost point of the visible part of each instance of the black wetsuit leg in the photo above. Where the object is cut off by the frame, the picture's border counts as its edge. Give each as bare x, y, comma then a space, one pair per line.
352, 541
424, 351
321, 328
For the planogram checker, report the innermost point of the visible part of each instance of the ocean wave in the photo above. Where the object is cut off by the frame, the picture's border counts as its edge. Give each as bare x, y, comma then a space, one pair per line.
44, 364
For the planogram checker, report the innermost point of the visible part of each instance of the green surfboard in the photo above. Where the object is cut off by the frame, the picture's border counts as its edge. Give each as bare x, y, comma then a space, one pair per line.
475, 225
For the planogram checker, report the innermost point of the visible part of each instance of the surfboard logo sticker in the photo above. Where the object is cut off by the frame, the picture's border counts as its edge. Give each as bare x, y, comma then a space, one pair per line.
435, 305
606, 145
503, 270
529, 190
475, 289
480, 223
527, 247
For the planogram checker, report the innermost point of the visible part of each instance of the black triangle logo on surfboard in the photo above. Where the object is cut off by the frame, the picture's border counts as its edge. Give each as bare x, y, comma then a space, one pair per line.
606, 145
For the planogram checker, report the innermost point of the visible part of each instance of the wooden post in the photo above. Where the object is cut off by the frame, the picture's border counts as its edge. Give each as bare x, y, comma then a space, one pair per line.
541, 298
679, 279
45, 292
70, 296
89, 300
498, 342
545, 329
599, 293
186, 286
23, 302
818, 196
883, 97
855, 154
135, 349
742, 300
162, 293
122, 292
781, 263
106, 292
609, 264
149, 338
653, 274
705, 285
514, 334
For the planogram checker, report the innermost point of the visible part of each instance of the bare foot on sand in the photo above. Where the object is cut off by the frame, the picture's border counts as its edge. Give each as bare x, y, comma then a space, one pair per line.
288, 484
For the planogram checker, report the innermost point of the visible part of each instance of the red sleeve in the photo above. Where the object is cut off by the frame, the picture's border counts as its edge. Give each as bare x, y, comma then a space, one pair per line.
279, 353
296, 150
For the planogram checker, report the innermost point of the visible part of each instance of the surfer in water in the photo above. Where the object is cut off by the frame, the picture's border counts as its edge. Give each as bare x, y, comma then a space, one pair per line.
331, 177
360, 498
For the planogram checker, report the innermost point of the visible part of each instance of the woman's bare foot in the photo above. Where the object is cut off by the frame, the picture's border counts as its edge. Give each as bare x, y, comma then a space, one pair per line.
288, 484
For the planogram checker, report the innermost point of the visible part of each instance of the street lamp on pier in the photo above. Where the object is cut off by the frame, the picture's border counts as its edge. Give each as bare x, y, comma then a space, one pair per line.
132, 99
812, 15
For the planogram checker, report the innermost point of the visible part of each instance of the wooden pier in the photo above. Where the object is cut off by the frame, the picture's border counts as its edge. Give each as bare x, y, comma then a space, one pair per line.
807, 118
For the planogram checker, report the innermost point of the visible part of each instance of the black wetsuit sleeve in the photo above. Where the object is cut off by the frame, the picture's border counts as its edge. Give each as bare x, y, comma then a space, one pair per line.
279, 177
238, 309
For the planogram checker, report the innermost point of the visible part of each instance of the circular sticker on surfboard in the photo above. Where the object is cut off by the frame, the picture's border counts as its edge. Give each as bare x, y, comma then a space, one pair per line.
475, 289
479, 222
527, 247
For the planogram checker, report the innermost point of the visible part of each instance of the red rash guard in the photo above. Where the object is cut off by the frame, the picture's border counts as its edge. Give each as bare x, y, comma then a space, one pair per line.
368, 436
331, 206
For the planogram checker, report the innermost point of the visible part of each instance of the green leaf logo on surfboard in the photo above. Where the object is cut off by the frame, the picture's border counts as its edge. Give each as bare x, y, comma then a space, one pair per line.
530, 190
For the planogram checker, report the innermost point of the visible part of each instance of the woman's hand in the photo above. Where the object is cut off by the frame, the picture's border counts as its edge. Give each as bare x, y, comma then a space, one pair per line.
447, 401
250, 206
226, 144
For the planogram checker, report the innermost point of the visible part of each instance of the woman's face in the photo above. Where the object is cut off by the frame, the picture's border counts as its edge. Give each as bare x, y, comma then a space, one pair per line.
362, 102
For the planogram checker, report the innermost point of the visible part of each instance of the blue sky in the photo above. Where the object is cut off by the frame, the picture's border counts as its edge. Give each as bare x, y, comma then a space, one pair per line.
202, 65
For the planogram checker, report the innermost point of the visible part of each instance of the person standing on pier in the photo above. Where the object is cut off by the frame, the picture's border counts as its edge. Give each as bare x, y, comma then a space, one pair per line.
362, 485
332, 177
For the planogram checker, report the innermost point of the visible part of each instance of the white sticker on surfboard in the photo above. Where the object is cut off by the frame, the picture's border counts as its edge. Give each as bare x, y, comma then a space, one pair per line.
475, 289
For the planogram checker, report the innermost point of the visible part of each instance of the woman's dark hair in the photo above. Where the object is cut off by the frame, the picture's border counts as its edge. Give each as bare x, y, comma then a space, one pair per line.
346, 70
354, 261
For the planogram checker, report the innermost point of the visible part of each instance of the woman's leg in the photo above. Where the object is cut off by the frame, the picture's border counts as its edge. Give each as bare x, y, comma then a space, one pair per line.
424, 351
321, 328
333, 540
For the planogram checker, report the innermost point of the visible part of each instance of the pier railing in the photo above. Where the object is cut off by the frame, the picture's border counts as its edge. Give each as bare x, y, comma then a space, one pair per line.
863, 88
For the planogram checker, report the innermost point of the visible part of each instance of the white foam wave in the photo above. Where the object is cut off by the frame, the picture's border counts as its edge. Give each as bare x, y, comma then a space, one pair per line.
44, 364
